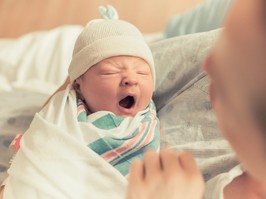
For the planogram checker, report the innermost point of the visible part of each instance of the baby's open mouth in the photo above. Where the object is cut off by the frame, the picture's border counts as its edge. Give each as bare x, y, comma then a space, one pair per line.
127, 102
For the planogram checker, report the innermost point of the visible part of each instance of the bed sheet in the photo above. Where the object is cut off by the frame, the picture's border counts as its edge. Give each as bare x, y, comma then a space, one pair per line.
17, 109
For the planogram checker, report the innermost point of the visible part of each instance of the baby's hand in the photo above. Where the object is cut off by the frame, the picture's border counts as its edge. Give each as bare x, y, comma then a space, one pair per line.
165, 175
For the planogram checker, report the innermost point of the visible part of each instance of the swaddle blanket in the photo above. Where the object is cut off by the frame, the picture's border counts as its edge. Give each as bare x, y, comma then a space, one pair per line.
54, 160
120, 150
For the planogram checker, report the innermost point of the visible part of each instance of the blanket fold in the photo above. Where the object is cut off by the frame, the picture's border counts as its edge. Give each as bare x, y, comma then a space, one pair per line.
54, 160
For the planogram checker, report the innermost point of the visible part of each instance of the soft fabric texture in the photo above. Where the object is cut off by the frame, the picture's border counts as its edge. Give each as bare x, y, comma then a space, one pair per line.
60, 152
208, 15
104, 38
117, 143
37, 61
185, 112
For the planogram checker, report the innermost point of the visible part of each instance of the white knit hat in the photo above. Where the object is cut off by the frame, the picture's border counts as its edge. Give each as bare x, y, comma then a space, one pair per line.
104, 38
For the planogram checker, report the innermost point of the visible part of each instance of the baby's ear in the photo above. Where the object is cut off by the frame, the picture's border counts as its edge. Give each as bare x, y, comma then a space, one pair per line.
76, 85
78, 80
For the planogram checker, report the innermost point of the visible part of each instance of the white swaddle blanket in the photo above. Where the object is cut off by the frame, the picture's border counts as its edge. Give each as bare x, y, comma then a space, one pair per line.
54, 160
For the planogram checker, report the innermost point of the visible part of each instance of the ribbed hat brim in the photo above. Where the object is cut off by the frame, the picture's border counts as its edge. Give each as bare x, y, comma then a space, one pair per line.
109, 47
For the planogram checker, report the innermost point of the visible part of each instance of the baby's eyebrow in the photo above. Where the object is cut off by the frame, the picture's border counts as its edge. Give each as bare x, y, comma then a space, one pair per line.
139, 64
108, 64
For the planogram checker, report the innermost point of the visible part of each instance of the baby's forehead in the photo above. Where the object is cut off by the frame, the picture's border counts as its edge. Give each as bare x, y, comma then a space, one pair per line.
122, 61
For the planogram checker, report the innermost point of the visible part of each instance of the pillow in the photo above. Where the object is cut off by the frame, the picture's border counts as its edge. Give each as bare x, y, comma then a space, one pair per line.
181, 93
181, 96
208, 15
37, 61
177, 62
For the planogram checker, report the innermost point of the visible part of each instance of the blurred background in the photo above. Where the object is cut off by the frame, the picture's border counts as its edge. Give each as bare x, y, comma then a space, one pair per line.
18, 17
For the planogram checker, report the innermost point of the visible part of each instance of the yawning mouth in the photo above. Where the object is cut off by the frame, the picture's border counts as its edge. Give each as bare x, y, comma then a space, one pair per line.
127, 102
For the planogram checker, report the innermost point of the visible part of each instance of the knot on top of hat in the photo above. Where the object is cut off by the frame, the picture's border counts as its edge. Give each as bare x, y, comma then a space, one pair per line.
107, 37
108, 12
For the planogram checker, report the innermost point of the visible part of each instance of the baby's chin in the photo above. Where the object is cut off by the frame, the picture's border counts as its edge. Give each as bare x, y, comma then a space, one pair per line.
122, 112
126, 113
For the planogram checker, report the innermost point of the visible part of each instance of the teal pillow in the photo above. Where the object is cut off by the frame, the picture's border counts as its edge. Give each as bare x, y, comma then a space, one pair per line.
207, 16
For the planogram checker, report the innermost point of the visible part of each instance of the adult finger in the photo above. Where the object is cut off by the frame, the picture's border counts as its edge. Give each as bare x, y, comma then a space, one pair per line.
188, 162
152, 165
136, 172
169, 160
191, 170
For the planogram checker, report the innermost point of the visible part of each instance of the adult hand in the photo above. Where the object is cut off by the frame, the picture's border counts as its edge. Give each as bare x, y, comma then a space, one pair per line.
165, 175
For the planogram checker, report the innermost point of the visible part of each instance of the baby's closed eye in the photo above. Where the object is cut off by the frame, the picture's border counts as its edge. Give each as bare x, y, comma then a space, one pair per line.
143, 72
109, 72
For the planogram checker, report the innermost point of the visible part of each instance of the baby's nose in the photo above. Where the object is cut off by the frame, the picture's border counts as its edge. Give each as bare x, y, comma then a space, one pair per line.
129, 80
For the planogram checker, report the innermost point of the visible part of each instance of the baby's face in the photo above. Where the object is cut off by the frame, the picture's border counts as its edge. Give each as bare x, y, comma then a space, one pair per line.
120, 84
